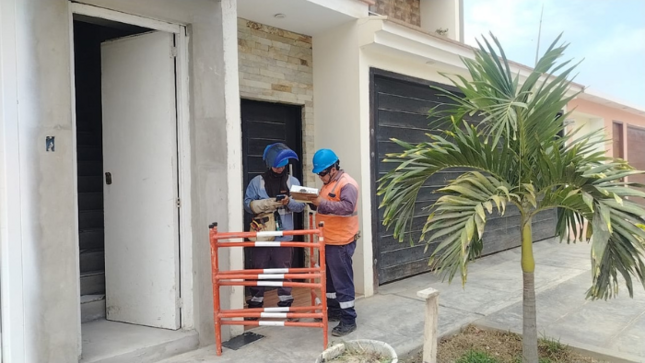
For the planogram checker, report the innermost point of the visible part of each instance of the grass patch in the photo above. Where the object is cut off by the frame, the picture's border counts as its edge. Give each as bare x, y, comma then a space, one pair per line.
474, 345
475, 356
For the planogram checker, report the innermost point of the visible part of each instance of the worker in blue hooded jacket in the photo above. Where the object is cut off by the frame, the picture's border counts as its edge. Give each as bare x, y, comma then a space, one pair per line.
260, 198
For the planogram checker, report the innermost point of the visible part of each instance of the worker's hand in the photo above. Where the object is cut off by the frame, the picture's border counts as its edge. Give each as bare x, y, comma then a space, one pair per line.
317, 201
265, 205
285, 201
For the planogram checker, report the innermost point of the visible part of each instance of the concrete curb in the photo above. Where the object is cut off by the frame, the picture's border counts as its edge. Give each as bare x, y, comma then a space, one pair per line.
588, 350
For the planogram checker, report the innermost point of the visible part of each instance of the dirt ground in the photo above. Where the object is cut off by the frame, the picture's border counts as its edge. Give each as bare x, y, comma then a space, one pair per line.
502, 347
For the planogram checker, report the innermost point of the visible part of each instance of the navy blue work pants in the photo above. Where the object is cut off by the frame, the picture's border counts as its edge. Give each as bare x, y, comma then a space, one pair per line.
340, 281
271, 257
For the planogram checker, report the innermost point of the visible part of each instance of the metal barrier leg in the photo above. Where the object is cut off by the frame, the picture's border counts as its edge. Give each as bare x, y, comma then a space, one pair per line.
312, 260
216, 297
323, 282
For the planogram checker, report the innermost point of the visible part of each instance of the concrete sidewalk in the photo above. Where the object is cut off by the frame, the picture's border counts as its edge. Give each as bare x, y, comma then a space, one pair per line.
492, 297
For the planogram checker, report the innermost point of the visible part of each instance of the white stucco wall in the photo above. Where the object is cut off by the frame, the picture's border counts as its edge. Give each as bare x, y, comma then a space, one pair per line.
12, 310
337, 127
587, 125
38, 235
444, 14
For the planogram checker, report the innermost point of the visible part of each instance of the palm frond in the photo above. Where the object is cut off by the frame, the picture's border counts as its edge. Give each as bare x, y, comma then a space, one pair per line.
515, 153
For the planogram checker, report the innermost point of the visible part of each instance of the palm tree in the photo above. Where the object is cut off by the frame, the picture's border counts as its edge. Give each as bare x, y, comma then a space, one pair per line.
517, 154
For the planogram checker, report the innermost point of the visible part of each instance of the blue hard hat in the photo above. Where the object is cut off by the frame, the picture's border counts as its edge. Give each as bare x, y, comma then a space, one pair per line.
278, 155
323, 159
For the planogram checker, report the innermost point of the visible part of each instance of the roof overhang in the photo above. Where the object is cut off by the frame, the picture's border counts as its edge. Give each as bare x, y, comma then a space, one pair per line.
386, 35
592, 96
308, 17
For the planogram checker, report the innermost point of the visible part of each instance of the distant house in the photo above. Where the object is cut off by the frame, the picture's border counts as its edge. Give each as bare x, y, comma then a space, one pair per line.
623, 125
128, 126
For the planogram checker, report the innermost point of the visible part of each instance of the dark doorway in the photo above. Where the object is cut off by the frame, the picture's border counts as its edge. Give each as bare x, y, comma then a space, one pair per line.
618, 140
88, 35
265, 123
635, 156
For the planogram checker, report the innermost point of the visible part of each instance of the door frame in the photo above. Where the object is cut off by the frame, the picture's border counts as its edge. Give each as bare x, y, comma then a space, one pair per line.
183, 140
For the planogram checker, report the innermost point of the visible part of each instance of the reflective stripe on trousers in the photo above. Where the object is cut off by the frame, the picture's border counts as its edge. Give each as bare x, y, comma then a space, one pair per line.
340, 281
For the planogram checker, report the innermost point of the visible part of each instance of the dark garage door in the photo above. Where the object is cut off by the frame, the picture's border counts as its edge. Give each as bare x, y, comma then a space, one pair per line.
399, 110
636, 154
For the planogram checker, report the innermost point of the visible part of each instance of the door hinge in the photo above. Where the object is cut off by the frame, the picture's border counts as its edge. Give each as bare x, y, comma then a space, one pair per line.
173, 51
178, 203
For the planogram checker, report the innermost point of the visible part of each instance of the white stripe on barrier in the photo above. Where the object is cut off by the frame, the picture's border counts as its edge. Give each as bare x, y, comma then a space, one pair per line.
271, 323
270, 234
273, 315
267, 244
270, 283
270, 276
276, 270
318, 302
321, 239
284, 308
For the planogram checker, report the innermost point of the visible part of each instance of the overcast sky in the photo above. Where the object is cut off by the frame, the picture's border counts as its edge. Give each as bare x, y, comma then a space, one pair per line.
608, 34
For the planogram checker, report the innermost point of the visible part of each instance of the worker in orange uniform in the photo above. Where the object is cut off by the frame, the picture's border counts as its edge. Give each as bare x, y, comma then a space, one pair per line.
337, 206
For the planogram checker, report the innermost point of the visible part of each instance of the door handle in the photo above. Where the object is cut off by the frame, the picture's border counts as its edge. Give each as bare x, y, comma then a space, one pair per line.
108, 178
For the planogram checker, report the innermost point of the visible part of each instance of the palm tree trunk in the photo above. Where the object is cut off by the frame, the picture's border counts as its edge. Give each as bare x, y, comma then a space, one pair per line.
529, 326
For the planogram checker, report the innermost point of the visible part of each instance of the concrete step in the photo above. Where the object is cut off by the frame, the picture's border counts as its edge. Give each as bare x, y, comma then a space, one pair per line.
112, 342
90, 200
92, 260
90, 239
92, 283
90, 219
90, 184
92, 307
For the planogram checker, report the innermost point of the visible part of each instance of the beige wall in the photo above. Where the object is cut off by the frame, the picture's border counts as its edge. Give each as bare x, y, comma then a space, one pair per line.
276, 65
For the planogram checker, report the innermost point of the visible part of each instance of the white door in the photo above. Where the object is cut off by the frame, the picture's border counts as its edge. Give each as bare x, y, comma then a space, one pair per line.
140, 191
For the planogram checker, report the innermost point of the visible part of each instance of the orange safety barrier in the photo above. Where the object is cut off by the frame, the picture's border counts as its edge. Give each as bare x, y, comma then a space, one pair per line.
318, 308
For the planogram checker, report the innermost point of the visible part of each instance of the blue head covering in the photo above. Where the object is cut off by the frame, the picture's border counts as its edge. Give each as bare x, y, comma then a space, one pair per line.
278, 155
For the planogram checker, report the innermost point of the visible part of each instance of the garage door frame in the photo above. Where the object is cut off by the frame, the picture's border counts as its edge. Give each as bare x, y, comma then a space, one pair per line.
376, 72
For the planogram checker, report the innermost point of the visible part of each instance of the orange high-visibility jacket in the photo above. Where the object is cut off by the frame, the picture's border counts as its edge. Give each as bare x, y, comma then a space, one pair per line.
339, 230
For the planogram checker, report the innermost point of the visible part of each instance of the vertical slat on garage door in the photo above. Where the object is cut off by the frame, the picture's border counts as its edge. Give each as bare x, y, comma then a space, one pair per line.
636, 154
400, 107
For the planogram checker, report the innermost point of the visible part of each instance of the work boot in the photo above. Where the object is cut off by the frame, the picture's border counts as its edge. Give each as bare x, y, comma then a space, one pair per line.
343, 329
331, 316
253, 305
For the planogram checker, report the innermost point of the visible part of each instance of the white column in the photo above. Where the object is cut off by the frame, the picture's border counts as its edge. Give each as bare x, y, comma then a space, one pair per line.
13, 343
430, 331
234, 152
40, 286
